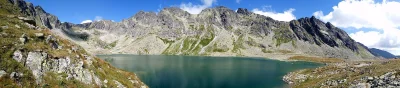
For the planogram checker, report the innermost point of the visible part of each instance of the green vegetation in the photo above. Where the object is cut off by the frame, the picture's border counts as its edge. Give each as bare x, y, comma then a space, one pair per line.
317, 59
10, 65
252, 42
105, 71
230, 28
351, 73
7, 8
282, 35
52, 80
202, 28
219, 49
10, 42
238, 44
266, 51
166, 40
192, 27
187, 43
191, 45
206, 41
111, 45
294, 44
285, 51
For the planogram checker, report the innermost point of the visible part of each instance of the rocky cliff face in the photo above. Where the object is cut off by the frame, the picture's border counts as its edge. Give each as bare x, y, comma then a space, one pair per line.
41, 17
32, 56
215, 31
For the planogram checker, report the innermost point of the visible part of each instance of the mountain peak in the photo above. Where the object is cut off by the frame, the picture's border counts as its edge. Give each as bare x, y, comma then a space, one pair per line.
219, 9
243, 11
221, 23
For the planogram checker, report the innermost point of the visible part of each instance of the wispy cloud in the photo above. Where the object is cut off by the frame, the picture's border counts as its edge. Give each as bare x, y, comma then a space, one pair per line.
238, 1
86, 21
98, 18
267, 11
196, 9
383, 17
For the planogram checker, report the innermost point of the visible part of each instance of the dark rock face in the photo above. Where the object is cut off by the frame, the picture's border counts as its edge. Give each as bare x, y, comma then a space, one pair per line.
37, 13
315, 31
26, 7
173, 22
48, 20
243, 11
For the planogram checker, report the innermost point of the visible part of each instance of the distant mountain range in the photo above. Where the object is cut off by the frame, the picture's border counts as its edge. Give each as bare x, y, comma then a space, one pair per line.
217, 31
382, 53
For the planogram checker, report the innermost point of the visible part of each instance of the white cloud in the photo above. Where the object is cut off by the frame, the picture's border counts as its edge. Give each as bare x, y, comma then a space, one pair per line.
383, 17
367, 38
196, 9
285, 16
86, 21
238, 1
387, 40
98, 18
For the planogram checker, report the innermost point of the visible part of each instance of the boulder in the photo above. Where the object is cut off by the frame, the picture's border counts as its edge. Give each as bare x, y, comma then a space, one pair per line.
105, 81
52, 41
14, 75
23, 39
17, 26
4, 27
28, 20
49, 38
119, 85
2, 72
361, 85
34, 63
39, 35
18, 56
30, 26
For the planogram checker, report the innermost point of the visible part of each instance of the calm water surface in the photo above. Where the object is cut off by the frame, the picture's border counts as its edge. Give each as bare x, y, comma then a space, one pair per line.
207, 72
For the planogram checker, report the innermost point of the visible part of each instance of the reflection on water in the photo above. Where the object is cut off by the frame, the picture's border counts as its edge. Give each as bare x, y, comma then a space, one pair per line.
206, 72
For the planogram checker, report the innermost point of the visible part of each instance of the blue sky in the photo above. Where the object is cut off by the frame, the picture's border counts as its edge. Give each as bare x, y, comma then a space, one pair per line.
78, 10
375, 23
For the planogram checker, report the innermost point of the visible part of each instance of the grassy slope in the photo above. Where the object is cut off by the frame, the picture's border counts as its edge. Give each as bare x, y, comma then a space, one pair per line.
9, 42
343, 70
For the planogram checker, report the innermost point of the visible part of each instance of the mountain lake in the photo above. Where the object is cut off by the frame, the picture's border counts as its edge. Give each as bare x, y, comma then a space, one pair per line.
163, 71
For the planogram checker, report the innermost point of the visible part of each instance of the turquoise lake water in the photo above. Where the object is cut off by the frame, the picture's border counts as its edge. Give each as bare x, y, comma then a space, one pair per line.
207, 72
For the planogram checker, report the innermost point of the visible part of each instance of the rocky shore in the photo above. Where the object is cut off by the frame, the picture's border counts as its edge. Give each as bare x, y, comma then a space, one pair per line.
353, 74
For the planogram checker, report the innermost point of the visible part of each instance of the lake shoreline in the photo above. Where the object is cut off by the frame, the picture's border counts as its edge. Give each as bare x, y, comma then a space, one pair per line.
222, 63
279, 57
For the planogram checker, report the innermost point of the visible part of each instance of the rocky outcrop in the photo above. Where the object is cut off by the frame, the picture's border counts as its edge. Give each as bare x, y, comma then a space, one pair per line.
387, 80
34, 62
2, 72
41, 63
32, 56
41, 17
243, 31
231, 30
